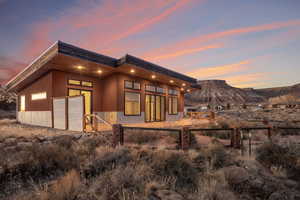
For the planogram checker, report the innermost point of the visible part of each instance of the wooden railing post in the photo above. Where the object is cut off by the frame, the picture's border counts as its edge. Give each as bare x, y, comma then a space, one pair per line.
185, 138
118, 134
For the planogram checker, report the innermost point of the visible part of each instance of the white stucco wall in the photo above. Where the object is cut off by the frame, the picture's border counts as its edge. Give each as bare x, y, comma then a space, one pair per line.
37, 118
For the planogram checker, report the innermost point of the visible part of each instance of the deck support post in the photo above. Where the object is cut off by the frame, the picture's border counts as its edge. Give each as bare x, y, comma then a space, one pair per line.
118, 134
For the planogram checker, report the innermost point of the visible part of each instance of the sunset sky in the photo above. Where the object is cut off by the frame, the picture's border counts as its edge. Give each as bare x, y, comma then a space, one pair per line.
248, 43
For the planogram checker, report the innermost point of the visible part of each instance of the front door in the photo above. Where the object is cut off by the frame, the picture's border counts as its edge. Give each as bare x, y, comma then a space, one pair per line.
87, 98
154, 108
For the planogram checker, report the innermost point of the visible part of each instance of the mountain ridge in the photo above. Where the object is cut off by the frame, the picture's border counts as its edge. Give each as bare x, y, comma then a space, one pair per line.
219, 92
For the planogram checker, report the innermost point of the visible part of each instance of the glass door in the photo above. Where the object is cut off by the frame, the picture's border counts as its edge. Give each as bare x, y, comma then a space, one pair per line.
154, 108
87, 98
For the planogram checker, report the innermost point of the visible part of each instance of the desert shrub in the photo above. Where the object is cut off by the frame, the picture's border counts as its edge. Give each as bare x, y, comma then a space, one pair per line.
141, 137
48, 158
271, 154
65, 140
106, 159
216, 155
177, 165
218, 134
67, 187
276, 156
123, 182
38, 162
213, 186
87, 146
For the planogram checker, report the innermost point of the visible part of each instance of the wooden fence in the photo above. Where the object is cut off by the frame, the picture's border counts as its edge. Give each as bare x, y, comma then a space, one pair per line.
237, 135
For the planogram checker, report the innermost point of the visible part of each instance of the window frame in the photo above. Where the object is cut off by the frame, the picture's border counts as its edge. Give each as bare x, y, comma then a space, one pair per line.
70, 79
87, 85
151, 85
38, 99
173, 92
170, 109
80, 83
140, 102
132, 82
159, 87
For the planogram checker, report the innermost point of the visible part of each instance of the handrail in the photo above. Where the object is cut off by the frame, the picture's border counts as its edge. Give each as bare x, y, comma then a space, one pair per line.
86, 118
98, 118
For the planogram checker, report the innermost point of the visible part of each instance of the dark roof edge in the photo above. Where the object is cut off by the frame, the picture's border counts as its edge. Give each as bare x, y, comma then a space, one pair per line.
78, 52
71, 50
129, 59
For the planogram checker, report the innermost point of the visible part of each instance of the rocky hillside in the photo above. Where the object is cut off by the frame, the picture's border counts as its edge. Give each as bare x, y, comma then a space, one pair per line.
280, 91
219, 92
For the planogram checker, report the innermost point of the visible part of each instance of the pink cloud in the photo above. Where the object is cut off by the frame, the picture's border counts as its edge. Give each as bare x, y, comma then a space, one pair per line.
197, 40
217, 71
9, 68
95, 25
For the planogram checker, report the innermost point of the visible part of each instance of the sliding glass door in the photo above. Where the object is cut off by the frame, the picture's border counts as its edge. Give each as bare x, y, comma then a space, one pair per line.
154, 108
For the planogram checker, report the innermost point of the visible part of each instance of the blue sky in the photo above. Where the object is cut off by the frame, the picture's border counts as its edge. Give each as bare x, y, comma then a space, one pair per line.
248, 43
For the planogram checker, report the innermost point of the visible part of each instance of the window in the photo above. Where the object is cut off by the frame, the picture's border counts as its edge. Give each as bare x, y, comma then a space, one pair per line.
39, 96
173, 105
80, 83
132, 103
86, 83
22, 103
160, 90
74, 82
150, 88
173, 92
132, 85
136, 86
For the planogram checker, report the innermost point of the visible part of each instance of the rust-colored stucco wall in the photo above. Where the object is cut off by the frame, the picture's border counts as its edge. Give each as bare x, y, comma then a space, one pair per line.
108, 93
43, 84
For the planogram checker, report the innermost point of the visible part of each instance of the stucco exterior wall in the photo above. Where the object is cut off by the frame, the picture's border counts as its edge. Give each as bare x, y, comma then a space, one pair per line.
37, 118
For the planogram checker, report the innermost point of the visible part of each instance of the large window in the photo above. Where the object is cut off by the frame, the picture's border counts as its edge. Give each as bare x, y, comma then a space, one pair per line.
39, 96
132, 103
173, 105
22, 103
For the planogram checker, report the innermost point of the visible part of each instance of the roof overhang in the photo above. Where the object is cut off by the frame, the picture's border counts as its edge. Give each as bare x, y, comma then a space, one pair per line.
65, 57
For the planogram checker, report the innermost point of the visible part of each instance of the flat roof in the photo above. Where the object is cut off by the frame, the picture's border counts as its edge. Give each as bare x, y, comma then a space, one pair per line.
62, 48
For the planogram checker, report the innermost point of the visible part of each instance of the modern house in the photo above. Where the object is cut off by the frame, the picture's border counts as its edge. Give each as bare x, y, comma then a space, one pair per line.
125, 90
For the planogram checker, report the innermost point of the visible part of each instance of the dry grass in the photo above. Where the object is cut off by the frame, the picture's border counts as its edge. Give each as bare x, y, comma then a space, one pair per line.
10, 128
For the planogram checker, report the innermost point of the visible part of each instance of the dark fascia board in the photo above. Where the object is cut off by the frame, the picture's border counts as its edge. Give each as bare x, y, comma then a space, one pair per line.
74, 51
155, 68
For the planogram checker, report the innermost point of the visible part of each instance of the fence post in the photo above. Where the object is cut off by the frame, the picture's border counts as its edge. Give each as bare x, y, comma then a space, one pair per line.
270, 132
242, 142
232, 141
250, 142
118, 134
238, 138
185, 138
